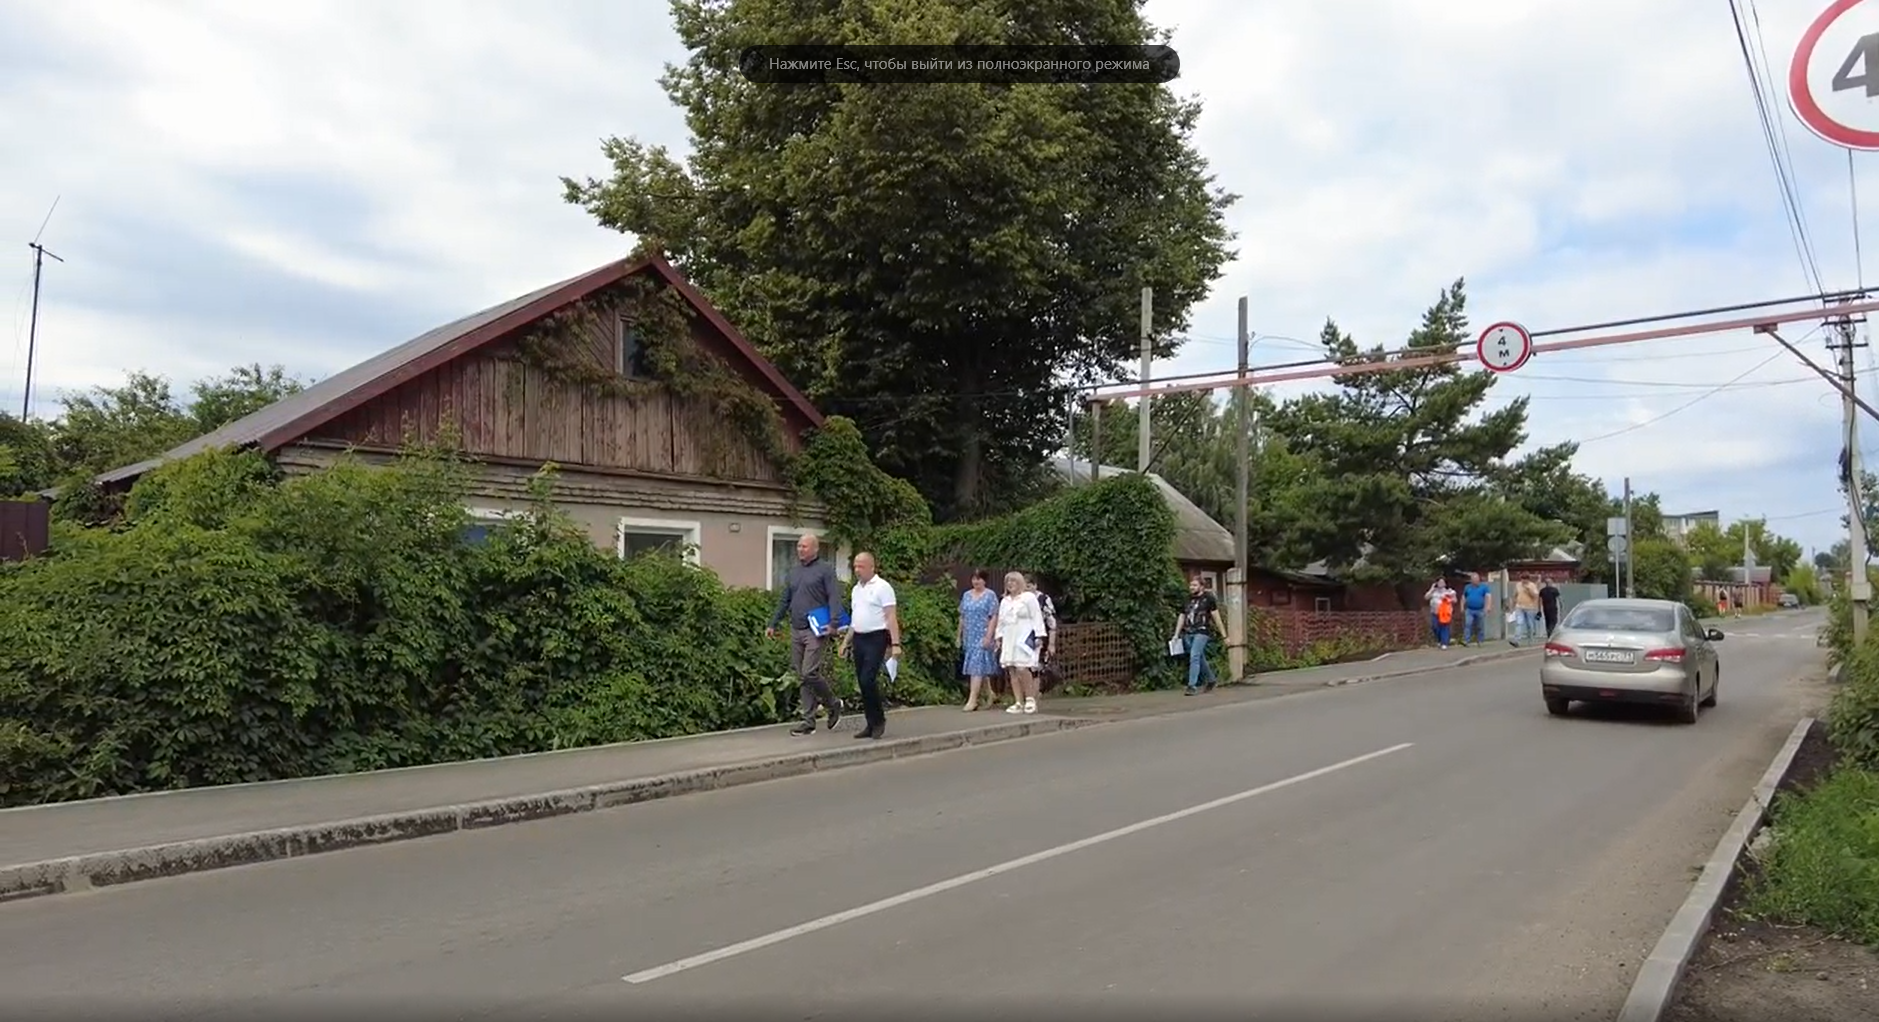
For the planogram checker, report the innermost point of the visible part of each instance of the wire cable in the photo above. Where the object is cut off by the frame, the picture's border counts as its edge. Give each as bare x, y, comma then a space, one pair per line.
1796, 215
1706, 395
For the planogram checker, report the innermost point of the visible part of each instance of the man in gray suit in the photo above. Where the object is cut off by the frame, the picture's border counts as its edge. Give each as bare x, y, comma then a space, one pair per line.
811, 585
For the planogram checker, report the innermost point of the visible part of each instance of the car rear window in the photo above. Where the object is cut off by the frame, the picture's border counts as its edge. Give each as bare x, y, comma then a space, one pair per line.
1621, 619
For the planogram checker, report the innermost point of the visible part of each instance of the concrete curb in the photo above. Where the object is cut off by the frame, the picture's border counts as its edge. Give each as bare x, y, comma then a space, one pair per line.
1467, 661
1657, 980
109, 869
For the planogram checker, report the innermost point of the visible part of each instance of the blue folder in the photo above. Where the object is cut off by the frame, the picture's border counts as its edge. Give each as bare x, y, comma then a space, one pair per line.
819, 621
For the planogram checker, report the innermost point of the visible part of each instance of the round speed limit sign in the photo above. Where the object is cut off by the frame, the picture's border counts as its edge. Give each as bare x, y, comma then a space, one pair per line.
1504, 347
1833, 80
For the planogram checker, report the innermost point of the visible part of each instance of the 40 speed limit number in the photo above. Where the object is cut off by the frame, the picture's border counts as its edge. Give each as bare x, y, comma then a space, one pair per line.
1833, 80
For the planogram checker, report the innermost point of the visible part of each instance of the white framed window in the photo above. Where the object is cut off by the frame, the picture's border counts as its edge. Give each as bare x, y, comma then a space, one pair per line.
484, 520
1211, 581
782, 545
629, 353
1322, 605
635, 536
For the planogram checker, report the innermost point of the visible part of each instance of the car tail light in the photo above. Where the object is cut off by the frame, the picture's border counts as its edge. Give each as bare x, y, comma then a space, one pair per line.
1665, 656
1558, 649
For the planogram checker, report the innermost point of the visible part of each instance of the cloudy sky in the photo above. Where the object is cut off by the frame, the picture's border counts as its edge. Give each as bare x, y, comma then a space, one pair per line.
309, 183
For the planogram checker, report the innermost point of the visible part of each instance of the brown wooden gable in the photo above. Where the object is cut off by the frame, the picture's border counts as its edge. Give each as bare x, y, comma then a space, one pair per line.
500, 405
335, 406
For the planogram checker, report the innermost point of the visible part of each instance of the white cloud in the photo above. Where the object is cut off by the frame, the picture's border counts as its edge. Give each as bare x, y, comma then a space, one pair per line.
1577, 160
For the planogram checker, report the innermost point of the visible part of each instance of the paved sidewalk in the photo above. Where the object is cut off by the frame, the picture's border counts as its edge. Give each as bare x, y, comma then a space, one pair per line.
35, 833
45, 849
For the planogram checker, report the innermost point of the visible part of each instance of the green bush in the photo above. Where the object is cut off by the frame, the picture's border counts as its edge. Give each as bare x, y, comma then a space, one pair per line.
863, 507
1824, 866
1838, 631
1109, 548
234, 627
1853, 716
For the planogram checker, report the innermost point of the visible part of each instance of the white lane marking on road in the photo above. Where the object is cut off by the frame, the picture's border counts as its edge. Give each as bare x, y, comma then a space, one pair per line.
733, 950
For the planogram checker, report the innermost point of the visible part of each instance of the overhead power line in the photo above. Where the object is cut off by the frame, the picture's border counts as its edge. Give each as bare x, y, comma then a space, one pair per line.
1706, 395
1774, 134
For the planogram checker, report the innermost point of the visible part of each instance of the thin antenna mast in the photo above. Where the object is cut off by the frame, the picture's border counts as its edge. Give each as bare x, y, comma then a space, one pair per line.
40, 255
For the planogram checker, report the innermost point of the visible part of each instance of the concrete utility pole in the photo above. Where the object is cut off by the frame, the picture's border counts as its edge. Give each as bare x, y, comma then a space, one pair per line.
1630, 581
1143, 451
1859, 584
1070, 435
1242, 402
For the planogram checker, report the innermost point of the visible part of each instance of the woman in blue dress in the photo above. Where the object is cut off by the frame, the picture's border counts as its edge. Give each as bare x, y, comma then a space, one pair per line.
977, 606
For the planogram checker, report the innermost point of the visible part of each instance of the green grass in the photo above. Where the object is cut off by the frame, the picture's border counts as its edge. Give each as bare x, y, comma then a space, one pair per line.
1823, 869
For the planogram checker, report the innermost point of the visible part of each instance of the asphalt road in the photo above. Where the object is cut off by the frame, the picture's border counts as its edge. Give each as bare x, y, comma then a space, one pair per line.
1484, 861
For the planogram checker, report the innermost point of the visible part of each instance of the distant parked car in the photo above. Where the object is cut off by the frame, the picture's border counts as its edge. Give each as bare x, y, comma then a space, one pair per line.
1789, 600
1631, 651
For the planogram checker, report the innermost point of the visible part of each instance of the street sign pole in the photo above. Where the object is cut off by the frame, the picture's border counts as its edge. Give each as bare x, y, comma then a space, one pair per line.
1631, 549
1618, 543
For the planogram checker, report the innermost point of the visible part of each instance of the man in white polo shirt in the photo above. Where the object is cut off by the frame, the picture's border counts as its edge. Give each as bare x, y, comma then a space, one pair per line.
874, 632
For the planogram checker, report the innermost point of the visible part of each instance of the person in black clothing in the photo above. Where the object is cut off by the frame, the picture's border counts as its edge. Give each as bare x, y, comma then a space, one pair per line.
1549, 605
811, 585
1199, 621
875, 638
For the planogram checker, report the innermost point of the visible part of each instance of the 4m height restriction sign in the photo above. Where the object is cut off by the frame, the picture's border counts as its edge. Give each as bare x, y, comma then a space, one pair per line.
1833, 81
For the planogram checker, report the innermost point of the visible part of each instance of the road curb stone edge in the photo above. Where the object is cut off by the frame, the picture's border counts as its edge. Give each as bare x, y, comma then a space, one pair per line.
110, 869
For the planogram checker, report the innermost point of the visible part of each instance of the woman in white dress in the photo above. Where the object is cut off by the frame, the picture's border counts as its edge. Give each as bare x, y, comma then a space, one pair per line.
1017, 632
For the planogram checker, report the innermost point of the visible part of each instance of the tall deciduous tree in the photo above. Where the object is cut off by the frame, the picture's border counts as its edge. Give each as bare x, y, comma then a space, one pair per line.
1772, 550
109, 427
1834, 559
26, 459
936, 261
1195, 447
1712, 552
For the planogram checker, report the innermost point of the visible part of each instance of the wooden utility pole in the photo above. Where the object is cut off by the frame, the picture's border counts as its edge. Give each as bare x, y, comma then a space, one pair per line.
1143, 451
1242, 402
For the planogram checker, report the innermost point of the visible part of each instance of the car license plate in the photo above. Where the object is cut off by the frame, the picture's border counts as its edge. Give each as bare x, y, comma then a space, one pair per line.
1610, 656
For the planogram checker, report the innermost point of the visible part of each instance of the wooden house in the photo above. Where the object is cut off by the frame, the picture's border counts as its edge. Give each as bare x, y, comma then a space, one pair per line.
666, 425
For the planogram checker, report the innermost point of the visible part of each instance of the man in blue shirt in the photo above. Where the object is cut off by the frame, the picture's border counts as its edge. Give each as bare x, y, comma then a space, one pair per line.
1476, 601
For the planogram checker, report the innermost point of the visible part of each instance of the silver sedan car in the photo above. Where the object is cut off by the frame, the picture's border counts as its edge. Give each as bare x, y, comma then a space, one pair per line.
1631, 651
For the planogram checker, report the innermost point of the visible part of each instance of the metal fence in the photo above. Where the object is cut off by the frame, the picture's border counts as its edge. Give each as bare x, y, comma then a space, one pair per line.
1571, 594
1293, 632
1095, 654
25, 528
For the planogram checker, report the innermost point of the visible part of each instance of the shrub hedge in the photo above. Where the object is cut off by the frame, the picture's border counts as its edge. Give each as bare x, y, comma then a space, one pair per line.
231, 625
1107, 545
235, 627
1823, 869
